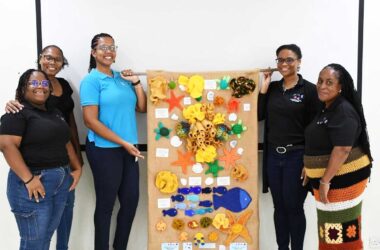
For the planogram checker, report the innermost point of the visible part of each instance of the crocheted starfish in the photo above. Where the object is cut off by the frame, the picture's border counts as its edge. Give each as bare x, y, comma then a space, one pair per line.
174, 101
238, 227
214, 168
184, 160
229, 157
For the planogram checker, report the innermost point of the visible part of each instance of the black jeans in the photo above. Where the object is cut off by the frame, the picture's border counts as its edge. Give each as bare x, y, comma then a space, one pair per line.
284, 172
116, 173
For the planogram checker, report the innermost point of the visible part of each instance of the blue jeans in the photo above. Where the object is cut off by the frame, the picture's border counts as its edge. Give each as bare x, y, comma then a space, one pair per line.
37, 221
64, 228
288, 194
116, 174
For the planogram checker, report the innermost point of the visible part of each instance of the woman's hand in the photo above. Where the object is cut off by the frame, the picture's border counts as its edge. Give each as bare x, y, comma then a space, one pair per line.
35, 188
76, 174
132, 150
13, 107
128, 75
323, 191
304, 177
267, 77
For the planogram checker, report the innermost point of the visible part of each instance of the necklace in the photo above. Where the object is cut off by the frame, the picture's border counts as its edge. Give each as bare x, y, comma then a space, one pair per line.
290, 86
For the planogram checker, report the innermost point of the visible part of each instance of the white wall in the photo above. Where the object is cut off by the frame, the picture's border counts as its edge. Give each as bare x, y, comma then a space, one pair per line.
186, 36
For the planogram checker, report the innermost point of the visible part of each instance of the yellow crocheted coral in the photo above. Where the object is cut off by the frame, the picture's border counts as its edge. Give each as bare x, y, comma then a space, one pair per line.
166, 182
206, 155
219, 118
194, 85
194, 113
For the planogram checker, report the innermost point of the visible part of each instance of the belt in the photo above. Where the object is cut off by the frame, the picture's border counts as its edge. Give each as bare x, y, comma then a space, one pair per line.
287, 148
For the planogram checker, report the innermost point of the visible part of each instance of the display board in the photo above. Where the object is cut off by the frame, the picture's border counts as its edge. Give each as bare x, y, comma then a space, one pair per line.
202, 160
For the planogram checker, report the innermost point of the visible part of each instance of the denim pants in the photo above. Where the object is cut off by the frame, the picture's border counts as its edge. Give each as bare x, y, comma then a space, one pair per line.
116, 174
37, 221
288, 194
64, 228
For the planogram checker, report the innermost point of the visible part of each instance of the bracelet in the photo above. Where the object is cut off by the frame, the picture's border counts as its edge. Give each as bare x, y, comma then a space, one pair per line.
136, 83
324, 183
28, 181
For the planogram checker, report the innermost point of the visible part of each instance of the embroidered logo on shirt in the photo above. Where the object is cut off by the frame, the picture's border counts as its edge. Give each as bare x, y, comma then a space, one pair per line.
60, 117
296, 98
322, 120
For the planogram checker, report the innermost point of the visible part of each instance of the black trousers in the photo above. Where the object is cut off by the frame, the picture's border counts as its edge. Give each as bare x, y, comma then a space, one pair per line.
116, 174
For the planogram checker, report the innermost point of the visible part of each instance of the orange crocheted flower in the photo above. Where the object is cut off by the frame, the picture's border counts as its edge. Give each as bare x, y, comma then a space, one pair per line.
351, 231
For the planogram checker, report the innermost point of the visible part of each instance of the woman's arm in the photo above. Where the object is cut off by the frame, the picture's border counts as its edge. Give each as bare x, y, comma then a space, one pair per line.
90, 117
338, 156
76, 166
141, 98
75, 138
9, 145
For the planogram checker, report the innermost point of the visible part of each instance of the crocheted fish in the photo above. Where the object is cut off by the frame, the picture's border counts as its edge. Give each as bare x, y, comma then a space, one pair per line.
235, 200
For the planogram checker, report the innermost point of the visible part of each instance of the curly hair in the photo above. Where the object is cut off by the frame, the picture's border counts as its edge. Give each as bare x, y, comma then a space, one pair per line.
23, 81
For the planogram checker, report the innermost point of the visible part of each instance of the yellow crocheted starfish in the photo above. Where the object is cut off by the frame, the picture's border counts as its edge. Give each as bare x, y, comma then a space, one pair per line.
237, 227
184, 160
229, 157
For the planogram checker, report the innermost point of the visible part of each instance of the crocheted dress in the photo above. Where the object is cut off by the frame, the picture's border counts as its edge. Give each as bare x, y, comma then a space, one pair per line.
339, 221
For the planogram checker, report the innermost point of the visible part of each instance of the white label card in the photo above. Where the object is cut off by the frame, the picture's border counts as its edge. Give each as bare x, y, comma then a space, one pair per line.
223, 181
161, 113
247, 107
210, 84
169, 246
238, 246
162, 152
208, 246
163, 203
187, 246
195, 181
187, 100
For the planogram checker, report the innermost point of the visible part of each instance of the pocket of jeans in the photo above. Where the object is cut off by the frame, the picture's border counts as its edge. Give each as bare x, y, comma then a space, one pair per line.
27, 224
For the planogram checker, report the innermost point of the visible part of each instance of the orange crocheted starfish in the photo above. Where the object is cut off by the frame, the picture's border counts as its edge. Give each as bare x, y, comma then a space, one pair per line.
174, 101
229, 157
184, 160
238, 227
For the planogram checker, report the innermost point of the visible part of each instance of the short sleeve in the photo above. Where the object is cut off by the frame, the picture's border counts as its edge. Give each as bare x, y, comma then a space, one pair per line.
13, 124
343, 128
66, 86
89, 91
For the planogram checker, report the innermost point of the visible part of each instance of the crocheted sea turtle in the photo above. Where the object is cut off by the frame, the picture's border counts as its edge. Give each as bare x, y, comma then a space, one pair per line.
162, 131
238, 128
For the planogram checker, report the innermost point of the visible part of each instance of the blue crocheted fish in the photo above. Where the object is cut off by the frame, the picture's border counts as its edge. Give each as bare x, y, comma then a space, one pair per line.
235, 200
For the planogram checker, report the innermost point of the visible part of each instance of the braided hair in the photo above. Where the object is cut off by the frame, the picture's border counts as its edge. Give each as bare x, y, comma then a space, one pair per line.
23, 82
94, 43
65, 62
351, 95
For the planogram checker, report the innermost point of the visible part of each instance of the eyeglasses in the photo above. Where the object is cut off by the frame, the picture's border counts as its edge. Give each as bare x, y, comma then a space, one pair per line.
36, 83
104, 48
288, 60
50, 58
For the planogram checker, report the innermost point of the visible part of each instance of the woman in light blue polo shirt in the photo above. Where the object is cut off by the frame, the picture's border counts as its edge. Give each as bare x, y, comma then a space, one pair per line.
109, 100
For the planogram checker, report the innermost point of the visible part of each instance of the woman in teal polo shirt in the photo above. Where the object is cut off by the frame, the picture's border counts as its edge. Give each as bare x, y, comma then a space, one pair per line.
109, 100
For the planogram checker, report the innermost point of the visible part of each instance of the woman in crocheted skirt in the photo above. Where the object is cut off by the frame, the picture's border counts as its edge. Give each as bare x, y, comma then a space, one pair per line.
338, 160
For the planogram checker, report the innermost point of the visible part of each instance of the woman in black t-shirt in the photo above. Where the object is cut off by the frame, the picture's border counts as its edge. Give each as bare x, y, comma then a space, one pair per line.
52, 61
36, 145
287, 106
338, 159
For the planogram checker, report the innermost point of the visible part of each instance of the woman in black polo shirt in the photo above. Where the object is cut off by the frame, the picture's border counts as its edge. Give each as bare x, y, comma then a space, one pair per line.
36, 144
287, 106
338, 159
